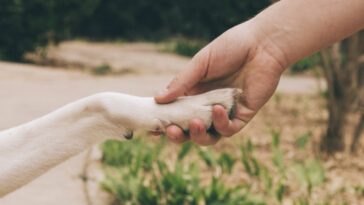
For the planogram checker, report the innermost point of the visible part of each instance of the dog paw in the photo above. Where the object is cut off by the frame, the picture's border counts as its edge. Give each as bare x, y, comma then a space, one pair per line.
198, 106
125, 113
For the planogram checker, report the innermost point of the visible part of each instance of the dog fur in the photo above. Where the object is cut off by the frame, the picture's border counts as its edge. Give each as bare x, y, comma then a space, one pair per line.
29, 150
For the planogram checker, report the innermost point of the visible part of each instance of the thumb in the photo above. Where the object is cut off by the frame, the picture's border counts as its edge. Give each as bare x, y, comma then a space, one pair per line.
186, 79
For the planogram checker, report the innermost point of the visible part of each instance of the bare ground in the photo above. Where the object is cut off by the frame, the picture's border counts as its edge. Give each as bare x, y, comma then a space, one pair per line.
27, 92
121, 57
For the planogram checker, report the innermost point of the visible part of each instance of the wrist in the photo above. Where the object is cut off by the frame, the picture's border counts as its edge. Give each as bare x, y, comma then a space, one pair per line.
101, 111
262, 49
268, 43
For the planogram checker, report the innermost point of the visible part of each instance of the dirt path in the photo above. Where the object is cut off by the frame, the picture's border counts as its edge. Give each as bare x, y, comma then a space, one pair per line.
121, 57
139, 58
27, 92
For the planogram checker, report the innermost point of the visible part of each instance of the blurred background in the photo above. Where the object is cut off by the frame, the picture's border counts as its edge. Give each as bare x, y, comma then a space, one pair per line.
303, 147
28, 24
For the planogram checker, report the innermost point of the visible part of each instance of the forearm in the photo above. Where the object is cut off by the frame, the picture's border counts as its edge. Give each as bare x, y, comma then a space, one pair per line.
292, 29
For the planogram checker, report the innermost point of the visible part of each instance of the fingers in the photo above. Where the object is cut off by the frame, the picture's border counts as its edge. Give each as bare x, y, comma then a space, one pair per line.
202, 88
222, 124
176, 135
186, 79
199, 135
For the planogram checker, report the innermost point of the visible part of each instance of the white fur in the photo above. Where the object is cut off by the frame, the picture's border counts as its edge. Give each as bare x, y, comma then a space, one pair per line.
29, 150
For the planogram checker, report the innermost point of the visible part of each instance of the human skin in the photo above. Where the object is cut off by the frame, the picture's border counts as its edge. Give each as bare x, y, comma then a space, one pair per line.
253, 55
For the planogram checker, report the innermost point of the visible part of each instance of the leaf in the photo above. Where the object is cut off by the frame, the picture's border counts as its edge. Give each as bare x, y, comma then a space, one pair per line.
316, 172
256, 167
162, 166
280, 191
226, 162
207, 156
185, 148
300, 173
245, 160
250, 146
310, 173
146, 196
276, 138
267, 179
250, 163
303, 139
278, 159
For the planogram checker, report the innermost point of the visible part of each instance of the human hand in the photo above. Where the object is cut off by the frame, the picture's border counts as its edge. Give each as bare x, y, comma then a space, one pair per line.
238, 58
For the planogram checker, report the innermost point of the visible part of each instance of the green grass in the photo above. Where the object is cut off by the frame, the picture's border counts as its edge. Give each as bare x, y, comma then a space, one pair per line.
107, 70
140, 172
136, 173
101, 70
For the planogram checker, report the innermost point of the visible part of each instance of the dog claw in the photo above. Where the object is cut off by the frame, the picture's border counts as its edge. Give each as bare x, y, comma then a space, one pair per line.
129, 136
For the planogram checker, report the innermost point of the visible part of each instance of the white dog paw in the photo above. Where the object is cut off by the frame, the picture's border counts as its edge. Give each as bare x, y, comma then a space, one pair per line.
198, 106
125, 113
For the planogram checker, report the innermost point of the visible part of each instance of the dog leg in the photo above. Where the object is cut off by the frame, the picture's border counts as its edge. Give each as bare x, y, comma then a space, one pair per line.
29, 150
